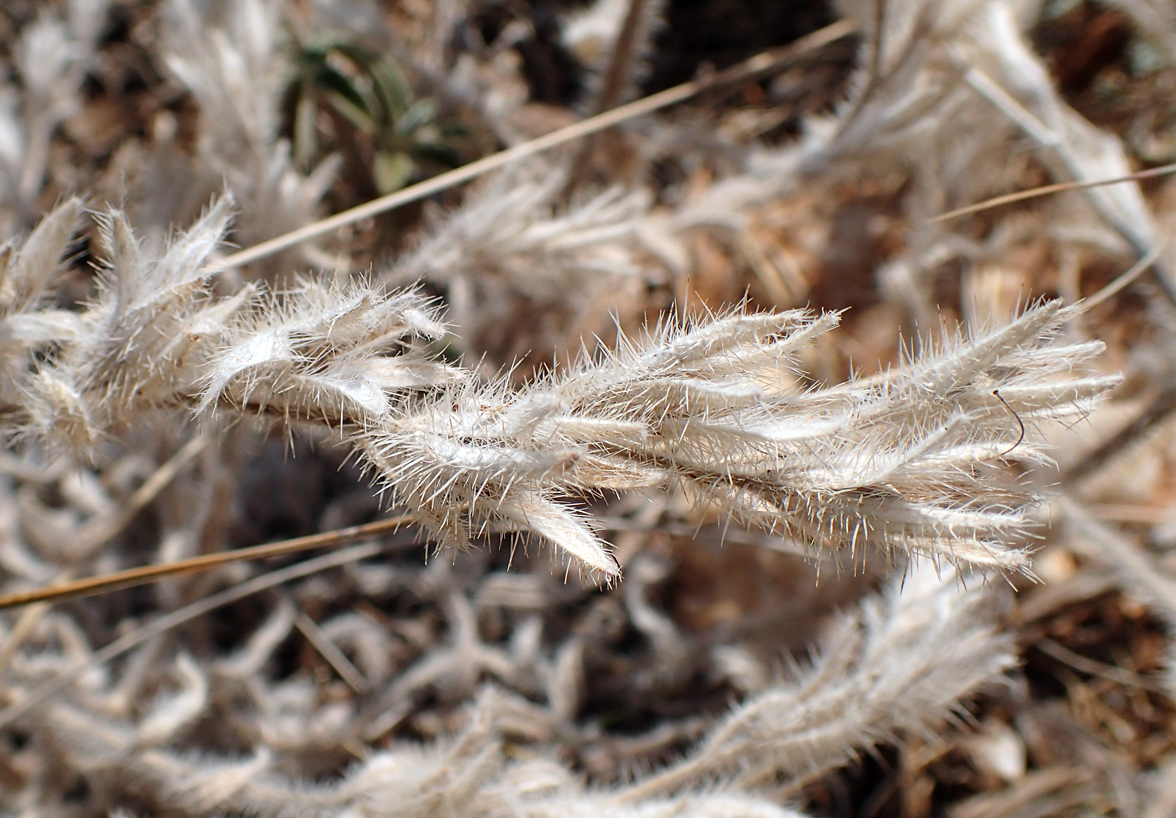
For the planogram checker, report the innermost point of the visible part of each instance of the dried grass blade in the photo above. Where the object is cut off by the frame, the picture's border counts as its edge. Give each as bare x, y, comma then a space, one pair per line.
144, 575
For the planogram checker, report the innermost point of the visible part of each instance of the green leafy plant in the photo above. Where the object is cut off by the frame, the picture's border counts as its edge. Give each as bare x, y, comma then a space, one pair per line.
345, 92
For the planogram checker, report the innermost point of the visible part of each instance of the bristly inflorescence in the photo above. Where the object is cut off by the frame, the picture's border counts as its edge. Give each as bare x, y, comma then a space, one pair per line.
907, 462
326, 353
158, 335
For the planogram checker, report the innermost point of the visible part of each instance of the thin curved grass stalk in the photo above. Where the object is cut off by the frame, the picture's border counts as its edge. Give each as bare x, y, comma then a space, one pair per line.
134, 577
1049, 190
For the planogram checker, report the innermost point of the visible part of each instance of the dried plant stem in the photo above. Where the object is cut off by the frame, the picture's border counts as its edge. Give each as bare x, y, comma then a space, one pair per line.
147, 574
611, 90
1118, 675
1048, 190
759, 64
330, 652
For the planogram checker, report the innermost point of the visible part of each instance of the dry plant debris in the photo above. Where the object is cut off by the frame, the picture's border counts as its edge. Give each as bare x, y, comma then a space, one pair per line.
732, 474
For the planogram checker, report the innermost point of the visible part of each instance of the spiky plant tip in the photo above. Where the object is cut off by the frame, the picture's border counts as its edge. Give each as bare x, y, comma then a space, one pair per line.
911, 462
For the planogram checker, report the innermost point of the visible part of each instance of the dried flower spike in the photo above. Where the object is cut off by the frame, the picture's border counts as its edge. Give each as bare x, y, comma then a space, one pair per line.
908, 462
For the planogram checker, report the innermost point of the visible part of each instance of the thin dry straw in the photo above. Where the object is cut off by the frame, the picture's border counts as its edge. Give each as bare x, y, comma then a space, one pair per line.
611, 89
133, 577
759, 64
1046, 190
